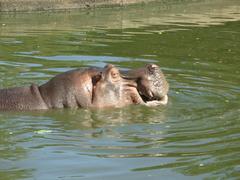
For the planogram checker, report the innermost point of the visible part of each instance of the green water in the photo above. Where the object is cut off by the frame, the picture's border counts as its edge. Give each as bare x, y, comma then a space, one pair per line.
197, 136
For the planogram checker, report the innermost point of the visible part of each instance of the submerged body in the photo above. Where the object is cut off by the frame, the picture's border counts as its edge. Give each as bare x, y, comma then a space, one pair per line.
22, 98
71, 89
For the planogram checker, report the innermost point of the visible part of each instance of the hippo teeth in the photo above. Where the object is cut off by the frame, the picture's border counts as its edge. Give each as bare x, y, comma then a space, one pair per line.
150, 94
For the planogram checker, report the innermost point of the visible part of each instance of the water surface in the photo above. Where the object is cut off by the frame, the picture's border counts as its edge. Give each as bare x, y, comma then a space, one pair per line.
196, 136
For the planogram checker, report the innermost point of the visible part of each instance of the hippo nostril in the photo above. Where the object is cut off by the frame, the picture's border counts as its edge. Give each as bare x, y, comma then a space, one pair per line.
152, 68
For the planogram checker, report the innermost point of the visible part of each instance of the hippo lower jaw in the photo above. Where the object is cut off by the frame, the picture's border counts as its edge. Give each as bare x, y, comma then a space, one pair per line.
158, 101
149, 96
146, 99
162, 100
146, 94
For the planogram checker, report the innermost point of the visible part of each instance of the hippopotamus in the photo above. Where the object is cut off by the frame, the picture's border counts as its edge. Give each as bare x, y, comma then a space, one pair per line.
88, 88
112, 90
151, 82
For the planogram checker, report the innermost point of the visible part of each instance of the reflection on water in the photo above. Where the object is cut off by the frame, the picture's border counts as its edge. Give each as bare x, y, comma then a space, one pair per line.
197, 135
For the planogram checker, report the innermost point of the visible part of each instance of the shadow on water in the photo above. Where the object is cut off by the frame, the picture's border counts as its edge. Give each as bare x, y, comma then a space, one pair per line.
196, 136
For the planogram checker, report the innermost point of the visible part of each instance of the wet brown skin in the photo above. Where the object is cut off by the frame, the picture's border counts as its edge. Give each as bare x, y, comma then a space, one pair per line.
151, 82
21, 98
114, 91
70, 89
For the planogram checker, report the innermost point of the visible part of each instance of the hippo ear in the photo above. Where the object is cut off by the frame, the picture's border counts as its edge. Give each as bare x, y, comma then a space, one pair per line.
99, 75
97, 78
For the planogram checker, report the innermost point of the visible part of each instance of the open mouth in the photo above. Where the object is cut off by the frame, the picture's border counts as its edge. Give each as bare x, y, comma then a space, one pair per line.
144, 98
148, 98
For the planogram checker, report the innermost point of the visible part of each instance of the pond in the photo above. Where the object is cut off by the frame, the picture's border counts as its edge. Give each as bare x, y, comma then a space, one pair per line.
197, 135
